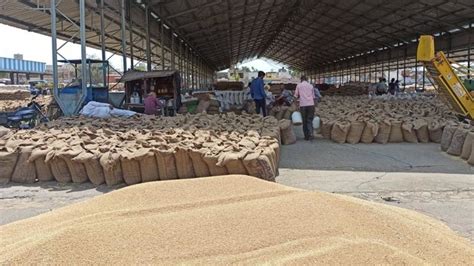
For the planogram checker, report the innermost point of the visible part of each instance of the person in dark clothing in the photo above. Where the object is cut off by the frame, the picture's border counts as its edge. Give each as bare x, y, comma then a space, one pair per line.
391, 87
257, 92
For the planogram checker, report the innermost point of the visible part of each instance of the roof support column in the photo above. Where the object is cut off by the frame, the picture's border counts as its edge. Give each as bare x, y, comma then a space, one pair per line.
172, 58
193, 73
162, 43
405, 69
123, 27
130, 32
102, 39
147, 32
54, 47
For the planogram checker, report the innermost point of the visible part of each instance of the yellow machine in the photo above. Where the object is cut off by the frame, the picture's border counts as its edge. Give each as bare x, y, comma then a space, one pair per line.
443, 76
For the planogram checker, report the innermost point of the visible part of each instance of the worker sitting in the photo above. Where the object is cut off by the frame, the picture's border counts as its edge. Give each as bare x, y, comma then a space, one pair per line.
152, 105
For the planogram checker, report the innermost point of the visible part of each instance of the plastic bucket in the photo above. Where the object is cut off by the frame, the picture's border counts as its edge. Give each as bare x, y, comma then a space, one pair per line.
297, 119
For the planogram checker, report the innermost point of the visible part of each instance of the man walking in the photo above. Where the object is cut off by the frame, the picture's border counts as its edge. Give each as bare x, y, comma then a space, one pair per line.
305, 93
257, 92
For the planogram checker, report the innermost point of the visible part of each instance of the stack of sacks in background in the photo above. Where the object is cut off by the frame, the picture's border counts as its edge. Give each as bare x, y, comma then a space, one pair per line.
232, 100
357, 119
141, 149
349, 89
13, 97
207, 103
458, 140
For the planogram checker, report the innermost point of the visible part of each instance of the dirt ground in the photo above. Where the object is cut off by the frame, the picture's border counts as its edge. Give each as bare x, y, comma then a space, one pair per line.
412, 176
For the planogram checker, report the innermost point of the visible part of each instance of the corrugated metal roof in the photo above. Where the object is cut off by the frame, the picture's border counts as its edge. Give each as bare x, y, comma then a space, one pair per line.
304, 34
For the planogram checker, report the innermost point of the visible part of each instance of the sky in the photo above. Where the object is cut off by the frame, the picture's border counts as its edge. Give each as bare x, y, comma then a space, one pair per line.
37, 47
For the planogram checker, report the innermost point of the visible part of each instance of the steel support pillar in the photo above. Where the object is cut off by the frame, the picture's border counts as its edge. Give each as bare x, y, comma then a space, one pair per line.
130, 33
172, 58
162, 43
123, 27
102, 40
147, 32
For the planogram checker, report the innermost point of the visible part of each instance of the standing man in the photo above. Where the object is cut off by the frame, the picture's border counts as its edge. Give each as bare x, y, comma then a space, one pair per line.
257, 92
305, 93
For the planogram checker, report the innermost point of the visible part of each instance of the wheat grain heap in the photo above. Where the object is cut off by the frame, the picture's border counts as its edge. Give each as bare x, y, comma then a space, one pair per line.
141, 149
230, 219
384, 119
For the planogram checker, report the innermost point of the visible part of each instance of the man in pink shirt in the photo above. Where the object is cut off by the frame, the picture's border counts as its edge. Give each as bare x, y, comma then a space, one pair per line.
305, 93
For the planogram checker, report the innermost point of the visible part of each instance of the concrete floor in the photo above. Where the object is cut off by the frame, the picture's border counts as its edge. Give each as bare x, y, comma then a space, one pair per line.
413, 176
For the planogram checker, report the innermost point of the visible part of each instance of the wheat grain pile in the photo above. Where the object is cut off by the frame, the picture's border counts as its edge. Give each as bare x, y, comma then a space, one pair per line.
230, 219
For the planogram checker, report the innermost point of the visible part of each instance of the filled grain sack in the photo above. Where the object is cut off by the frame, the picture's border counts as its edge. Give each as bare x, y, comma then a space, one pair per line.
326, 127
259, 165
457, 142
421, 128
211, 157
58, 167
43, 170
471, 157
130, 167
110, 162
25, 171
166, 162
288, 136
383, 134
447, 136
370, 131
148, 165
339, 131
76, 168
355, 132
467, 146
435, 130
409, 132
91, 161
184, 164
233, 161
396, 133
7, 164
200, 167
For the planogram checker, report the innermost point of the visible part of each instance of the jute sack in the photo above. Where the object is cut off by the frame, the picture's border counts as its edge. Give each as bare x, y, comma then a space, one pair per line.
25, 172
409, 133
130, 167
467, 146
287, 134
471, 157
270, 153
110, 162
211, 160
421, 128
370, 131
435, 130
184, 164
200, 167
259, 165
457, 142
288, 113
326, 128
383, 133
90, 160
232, 161
396, 134
7, 165
58, 167
339, 131
447, 136
166, 163
355, 132
77, 169
43, 170
148, 165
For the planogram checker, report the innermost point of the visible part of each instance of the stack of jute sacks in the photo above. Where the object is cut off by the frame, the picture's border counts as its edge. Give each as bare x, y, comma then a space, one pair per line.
384, 119
458, 140
13, 97
141, 149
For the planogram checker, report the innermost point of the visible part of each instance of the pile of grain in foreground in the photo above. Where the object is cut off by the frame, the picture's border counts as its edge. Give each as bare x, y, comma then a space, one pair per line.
229, 219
